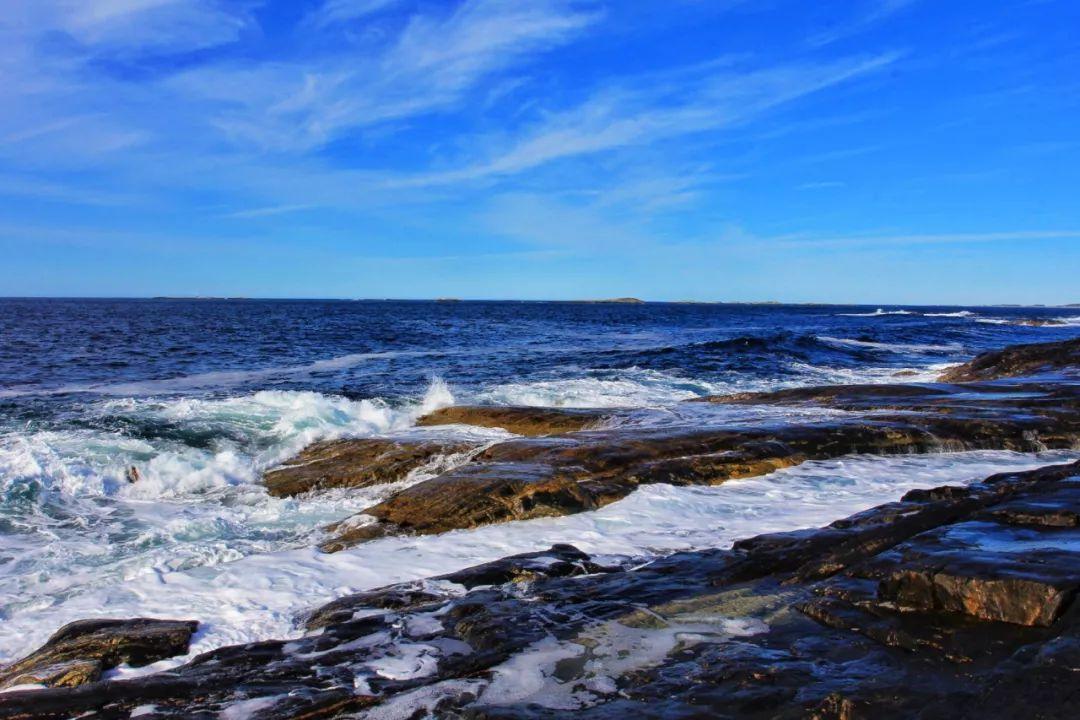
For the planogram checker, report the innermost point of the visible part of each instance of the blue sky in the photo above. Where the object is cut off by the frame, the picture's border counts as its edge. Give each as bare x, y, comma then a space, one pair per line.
878, 151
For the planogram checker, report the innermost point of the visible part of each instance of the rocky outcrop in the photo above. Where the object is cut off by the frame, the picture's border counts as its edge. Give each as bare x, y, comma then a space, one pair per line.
559, 561
528, 421
559, 475
956, 602
79, 652
1017, 360
356, 464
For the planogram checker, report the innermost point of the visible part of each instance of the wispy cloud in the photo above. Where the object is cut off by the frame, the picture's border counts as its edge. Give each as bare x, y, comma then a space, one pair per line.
333, 12
430, 66
907, 240
874, 13
622, 117
134, 25
823, 185
268, 211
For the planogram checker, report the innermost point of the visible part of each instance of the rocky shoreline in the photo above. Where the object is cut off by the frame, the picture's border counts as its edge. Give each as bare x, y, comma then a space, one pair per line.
953, 602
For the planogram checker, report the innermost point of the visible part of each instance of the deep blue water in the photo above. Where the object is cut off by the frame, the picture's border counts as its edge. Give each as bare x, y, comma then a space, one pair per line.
391, 349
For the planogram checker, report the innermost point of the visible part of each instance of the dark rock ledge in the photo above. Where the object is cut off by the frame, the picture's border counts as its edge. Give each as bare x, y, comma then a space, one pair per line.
1018, 360
79, 652
958, 602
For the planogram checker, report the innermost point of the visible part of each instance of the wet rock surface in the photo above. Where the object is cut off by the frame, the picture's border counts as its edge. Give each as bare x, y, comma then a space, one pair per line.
528, 421
79, 652
356, 464
952, 602
1018, 360
562, 474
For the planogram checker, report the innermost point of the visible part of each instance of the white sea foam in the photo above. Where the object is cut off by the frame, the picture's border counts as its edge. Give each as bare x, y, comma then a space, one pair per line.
958, 314
258, 596
607, 651
877, 313
634, 387
249, 433
892, 347
76, 523
637, 387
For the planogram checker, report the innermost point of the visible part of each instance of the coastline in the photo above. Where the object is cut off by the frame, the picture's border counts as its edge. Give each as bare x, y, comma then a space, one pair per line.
1002, 409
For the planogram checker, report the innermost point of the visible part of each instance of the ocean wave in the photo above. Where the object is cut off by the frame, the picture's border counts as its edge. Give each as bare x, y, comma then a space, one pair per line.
633, 387
213, 380
637, 387
958, 314
892, 347
75, 523
1052, 322
192, 445
878, 313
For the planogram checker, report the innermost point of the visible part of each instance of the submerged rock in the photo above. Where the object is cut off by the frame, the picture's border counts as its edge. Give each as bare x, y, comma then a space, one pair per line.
79, 652
356, 463
935, 606
529, 421
1017, 360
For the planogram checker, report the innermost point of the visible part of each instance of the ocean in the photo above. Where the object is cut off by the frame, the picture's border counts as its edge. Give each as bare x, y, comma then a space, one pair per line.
202, 396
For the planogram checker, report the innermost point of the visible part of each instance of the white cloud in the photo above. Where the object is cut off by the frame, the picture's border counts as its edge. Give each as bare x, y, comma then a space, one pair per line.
269, 211
622, 117
333, 12
908, 240
877, 12
429, 67
127, 26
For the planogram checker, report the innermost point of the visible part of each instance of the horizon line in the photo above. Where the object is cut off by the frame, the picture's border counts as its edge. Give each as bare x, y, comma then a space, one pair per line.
627, 300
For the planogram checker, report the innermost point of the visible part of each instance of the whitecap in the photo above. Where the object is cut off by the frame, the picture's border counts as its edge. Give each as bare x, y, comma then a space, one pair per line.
878, 313
892, 347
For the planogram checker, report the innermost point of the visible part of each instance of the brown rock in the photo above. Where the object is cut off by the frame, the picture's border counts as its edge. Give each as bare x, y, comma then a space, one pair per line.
355, 463
528, 421
1011, 598
557, 475
80, 651
475, 494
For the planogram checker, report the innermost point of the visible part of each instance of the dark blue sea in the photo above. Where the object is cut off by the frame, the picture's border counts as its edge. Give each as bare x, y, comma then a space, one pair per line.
203, 395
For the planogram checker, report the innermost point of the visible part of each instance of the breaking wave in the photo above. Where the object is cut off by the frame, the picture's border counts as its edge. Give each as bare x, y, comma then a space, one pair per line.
255, 596
877, 313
